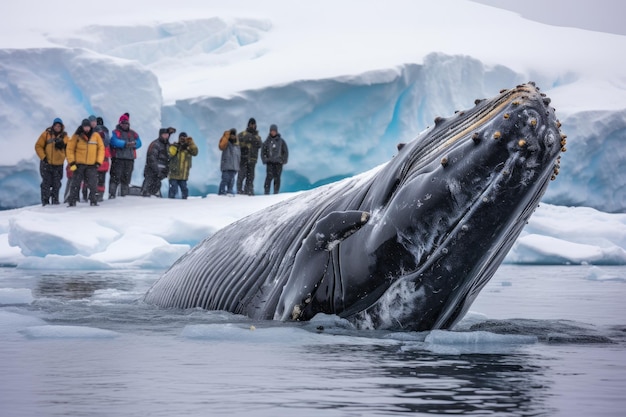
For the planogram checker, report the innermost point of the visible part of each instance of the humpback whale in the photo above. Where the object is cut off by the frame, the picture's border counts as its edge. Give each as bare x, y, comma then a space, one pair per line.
406, 246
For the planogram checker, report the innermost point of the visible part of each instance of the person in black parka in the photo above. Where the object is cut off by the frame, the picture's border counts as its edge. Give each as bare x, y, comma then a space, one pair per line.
274, 154
157, 163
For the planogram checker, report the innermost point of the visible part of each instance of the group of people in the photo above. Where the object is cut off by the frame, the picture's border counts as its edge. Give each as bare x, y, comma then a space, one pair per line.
86, 158
92, 151
165, 159
240, 154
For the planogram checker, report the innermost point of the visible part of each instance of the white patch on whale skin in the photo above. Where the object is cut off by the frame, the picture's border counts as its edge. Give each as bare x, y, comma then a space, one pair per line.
255, 242
399, 302
332, 244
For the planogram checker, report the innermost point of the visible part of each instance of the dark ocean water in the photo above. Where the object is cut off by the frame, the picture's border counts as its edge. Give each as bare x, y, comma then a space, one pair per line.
539, 341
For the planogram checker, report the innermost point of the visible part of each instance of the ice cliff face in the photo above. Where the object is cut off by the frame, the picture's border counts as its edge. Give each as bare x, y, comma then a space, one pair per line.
342, 126
592, 172
334, 127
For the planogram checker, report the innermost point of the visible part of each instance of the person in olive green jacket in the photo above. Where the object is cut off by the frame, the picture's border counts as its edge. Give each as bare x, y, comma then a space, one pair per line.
250, 142
85, 154
181, 153
50, 148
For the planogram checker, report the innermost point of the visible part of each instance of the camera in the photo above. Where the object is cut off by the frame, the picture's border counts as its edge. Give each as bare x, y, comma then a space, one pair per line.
58, 143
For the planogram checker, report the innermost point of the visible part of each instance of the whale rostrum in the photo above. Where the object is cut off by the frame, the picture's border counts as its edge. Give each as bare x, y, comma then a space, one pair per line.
406, 246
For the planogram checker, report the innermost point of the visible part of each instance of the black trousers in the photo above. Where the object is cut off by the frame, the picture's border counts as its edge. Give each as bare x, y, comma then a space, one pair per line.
274, 171
89, 174
245, 179
121, 172
151, 183
51, 176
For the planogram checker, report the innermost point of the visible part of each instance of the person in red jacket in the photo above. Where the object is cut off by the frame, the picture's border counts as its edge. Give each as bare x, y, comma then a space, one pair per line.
124, 144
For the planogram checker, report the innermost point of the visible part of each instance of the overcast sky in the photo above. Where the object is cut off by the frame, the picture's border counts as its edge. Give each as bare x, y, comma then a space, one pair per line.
599, 15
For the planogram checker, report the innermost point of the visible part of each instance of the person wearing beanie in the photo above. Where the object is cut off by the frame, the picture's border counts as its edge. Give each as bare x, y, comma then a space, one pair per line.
124, 145
229, 163
157, 163
250, 142
85, 153
50, 148
274, 154
181, 153
83, 186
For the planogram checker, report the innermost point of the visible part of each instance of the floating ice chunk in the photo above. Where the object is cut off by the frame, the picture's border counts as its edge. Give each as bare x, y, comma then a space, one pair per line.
246, 333
16, 321
13, 296
57, 262
330, 321
442, 337
67, 332
598, 274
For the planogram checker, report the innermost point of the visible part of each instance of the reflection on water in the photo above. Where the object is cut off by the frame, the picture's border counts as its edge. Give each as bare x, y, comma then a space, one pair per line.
412, 381
77, 286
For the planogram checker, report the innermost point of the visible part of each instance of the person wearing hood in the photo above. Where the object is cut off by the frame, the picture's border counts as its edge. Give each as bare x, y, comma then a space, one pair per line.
250, 142
98, 127
157, 163
274, 154
229, 163
85, 154
181, 153
104, 133
50, 148
124, 145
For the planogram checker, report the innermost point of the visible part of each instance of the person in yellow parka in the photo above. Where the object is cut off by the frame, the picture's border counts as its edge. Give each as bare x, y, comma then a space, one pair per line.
50, 148
84, 153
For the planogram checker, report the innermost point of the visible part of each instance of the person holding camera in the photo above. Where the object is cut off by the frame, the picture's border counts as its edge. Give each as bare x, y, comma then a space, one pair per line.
50, 148
85, 154
157, 163
181, 153
229, 165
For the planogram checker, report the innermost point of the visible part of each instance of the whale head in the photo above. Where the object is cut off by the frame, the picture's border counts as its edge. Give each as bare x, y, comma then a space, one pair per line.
456, 199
